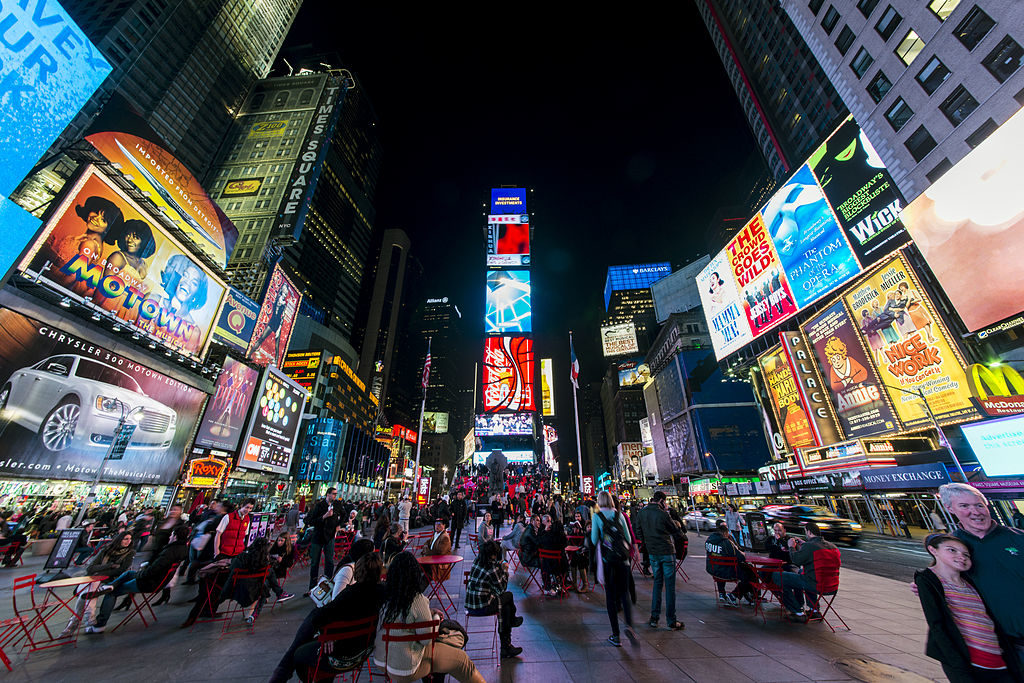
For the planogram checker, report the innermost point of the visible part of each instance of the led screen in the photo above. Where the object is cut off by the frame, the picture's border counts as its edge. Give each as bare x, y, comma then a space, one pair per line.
435, 423
224, 421
508, 200
480, 457
508, 240
273, 328
100, 247
547, 388
766, 294
174, 190
274, 424
970, 227
505, 424
618, 340
62, 398
998, 445
508, 302
508, 374
633, 373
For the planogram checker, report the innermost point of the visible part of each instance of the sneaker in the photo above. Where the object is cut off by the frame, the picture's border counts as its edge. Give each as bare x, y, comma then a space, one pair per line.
750, 601
95, 629
250, 620
510, 651
285, 597
614, 640
796, 616
813, 614
653, 623
677, 626
731, 601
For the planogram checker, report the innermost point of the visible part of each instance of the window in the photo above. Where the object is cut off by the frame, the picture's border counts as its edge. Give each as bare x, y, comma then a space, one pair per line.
306, 97
845, 40
920, 143
866, 7
1004, 59
862, 62
959, 105
939, 170
910, 47
282, 99
898, 115
878, 86
257, 100
932, 75
815, 6
830, 20
973, 28
888, 23
943, 8
984, 130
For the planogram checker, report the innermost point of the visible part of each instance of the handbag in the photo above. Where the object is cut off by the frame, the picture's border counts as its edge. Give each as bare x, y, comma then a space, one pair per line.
321, 593
451, 632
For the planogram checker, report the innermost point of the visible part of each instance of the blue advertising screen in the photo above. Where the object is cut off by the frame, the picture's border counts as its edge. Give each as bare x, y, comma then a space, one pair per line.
810, 243
508, 200
19, 228
508, 302
50, 69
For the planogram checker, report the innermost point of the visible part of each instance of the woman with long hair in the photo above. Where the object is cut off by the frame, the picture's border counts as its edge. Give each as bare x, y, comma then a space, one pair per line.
380, 530
248, 593
112, 560
486, 532
393, 544
282, 556
346, 571
405, 602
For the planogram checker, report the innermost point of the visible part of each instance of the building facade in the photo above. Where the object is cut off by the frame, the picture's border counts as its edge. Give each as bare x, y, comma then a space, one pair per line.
926, 81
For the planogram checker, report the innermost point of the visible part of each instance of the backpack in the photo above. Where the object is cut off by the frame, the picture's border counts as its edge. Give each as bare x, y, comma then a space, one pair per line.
613, 542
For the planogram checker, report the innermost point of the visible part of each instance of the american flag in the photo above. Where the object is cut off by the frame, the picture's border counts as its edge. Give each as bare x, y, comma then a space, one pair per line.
574, 365
426, 370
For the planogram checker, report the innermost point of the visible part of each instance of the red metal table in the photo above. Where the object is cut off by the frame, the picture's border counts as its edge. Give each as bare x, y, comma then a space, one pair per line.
443, 569
769, 579
44, 615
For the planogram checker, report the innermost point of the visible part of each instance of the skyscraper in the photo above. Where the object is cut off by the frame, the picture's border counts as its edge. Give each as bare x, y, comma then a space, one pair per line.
787, 99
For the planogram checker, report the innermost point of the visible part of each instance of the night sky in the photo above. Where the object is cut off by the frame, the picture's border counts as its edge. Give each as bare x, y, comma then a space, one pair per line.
624, 127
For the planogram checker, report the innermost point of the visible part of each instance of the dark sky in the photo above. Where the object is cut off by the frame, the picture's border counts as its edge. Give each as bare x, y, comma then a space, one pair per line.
623, 126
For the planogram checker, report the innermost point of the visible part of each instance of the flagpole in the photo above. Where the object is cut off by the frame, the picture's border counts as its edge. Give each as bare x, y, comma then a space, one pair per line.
576, 411
419, 434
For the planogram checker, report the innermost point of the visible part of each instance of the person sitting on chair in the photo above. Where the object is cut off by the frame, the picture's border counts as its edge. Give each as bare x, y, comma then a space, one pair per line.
439, 544
486, 594
796, 585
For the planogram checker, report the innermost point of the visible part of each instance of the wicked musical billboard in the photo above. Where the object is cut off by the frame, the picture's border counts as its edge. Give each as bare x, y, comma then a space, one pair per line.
62, 398
911, 347
101, 248
862, 406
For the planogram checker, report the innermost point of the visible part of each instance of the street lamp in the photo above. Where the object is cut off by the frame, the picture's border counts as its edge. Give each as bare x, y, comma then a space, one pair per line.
570, 475
707, 454
935, 423
117, 436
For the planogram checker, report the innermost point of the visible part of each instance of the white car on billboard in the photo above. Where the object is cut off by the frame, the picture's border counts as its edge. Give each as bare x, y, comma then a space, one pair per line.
71, 401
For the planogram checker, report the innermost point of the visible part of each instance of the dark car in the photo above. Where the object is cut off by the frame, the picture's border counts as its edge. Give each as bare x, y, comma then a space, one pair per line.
833, 528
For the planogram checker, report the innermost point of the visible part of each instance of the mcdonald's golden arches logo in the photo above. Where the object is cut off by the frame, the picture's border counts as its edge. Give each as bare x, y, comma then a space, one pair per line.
997, 390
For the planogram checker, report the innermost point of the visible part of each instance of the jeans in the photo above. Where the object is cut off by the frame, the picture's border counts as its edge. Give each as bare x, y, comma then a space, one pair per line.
81, 553
664, 567
315, 550
616, 594
123, 585
274, 583
793, 588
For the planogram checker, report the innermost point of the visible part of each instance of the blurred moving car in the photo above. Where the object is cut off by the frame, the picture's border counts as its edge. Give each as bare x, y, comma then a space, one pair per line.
833, 527
701, 520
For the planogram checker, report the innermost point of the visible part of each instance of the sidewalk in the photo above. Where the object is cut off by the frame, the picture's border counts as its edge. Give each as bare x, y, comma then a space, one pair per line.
562, 640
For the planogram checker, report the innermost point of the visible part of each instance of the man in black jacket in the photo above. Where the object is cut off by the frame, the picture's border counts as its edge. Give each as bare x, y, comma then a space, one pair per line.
325, 517
795, 586
657, 531
721, 544
460, 513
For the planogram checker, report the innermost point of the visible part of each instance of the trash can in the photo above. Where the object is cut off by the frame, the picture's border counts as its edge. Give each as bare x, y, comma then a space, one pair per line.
757, 529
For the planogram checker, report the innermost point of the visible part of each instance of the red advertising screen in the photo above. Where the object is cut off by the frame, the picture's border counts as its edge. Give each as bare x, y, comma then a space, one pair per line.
508, 374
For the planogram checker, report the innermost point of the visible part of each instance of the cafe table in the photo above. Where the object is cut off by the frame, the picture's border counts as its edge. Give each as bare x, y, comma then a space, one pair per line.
442, 569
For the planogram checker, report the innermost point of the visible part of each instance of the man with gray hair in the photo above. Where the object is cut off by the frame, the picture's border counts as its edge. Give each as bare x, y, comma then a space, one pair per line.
997, 554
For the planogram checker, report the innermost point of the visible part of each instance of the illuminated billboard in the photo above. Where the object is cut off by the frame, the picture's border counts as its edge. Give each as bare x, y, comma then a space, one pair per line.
508, 200
765, 292
508, 240
508, 374
100, 247
62, 396
224, 421
237, 320
50, 69
785, 399
998, 445
435, 423
969, 225
302, 367
618, 340
274, 425
274, 325
547, 388
504, 424
508, 302
518, 457
910, 347
633, 372
723, 309
174, 190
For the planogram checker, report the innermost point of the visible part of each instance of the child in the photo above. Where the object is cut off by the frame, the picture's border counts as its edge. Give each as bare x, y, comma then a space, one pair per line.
961, 633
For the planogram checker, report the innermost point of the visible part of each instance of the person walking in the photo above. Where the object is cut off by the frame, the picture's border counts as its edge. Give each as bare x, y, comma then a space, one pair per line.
460, 513
404, 513
233, 531
610, 534
656, 530
735, 524
291, 520
325, 517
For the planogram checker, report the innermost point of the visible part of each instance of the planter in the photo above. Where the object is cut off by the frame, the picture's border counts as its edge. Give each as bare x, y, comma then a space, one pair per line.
42, 546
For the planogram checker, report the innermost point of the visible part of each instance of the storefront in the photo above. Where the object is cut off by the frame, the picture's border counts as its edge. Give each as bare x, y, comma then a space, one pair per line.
33, 493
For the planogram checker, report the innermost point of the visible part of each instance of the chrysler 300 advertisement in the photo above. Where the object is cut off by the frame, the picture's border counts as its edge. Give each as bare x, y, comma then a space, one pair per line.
61, 398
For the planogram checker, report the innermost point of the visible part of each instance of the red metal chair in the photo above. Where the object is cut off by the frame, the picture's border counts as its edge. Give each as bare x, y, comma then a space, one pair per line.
474, 539
826, 573
494, 632
358, 629
34, 616
12, 549
679, 562
635, 557
144, 600
389, 637
561, 573
723, 565
342, 544
234, 580
9, 630
767, 584
531, 573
